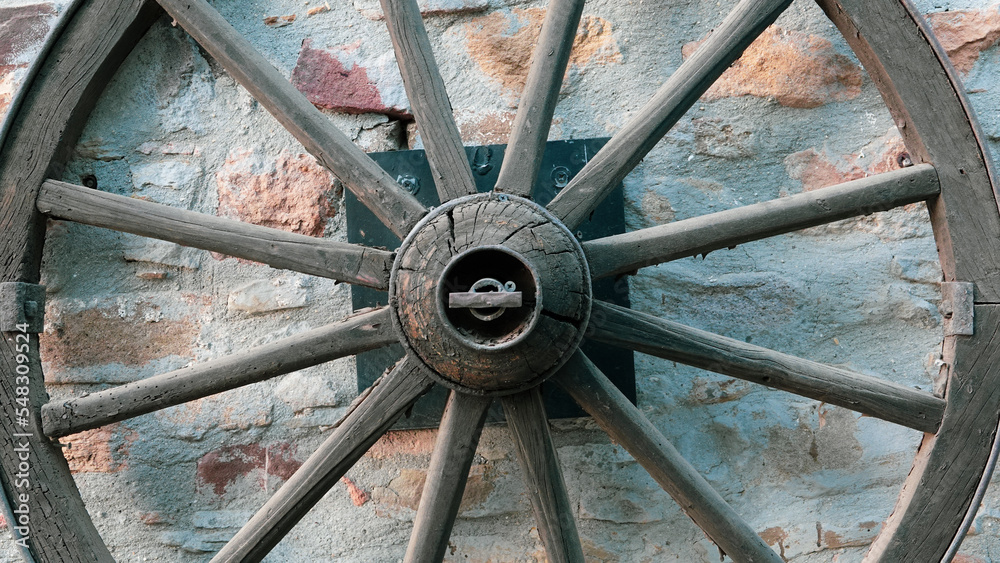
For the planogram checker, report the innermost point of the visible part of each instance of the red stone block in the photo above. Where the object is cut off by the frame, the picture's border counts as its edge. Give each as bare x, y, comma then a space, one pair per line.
331, 80
221, 467
965, 34
796, 69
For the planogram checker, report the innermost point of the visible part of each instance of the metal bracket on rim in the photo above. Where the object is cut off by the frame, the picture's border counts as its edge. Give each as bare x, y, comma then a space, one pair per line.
22, 306
957, 308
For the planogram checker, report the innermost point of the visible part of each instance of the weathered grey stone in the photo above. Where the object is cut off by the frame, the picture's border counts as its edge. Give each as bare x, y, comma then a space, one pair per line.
720, 139
915, 269
264, 296
220, 519
635, 498
154, 251
310, 390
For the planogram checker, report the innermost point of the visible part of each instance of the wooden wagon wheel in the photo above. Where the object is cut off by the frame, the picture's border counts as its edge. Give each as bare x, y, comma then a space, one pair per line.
483, 357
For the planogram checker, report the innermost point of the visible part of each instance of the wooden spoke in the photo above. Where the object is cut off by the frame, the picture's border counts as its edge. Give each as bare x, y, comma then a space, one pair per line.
370, 416
461, 426
862, 393
536, 455
428, 99
341, 261
628, 427
628, 147
354, 335
393, 205
627, 252
538, 101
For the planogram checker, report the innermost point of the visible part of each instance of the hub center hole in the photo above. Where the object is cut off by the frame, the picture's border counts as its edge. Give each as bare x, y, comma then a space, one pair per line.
501, 274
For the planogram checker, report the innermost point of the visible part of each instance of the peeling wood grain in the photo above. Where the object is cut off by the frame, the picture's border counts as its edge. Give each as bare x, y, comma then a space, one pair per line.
429, 99
458, 435
536, 455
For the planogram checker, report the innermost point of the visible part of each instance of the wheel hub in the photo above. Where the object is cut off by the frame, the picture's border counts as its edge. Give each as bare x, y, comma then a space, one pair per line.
491, 292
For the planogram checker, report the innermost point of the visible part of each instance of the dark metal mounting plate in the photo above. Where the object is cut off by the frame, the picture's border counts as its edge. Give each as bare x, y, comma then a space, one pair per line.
563, 159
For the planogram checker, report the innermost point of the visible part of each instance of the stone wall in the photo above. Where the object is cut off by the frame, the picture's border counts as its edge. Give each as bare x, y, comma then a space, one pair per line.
796, 113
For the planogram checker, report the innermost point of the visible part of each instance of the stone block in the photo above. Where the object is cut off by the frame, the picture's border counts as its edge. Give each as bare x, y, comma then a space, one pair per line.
265, 296
347, 80
172, 174
965, 34
220, 468
292, 193
311, 389
101, 450
501, 44
152, 251
131, 337
796, 69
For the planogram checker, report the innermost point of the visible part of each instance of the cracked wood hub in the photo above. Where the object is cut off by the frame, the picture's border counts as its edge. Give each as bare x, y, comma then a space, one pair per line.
491, 243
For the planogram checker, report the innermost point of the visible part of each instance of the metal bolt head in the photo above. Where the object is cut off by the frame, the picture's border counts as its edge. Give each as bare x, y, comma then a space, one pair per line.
560, 177
481, 160
410, 183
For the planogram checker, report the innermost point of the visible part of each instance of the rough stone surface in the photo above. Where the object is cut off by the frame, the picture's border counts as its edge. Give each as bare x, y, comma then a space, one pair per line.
488, 129
264, 296
816, 170
160, 253
717, 138
402, 495
408, 442
126, 336
343, 80
502, 44
965, 34
171, 174
302, 391
796, 69
292, 194
101, 450
8, 85
22, 29
219, 469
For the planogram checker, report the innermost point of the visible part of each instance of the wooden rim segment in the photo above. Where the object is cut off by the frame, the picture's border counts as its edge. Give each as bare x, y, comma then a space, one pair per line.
952, 173
935, 120
78, 67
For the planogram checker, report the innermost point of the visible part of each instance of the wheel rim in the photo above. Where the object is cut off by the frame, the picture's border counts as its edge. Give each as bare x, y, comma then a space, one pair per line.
905, 538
